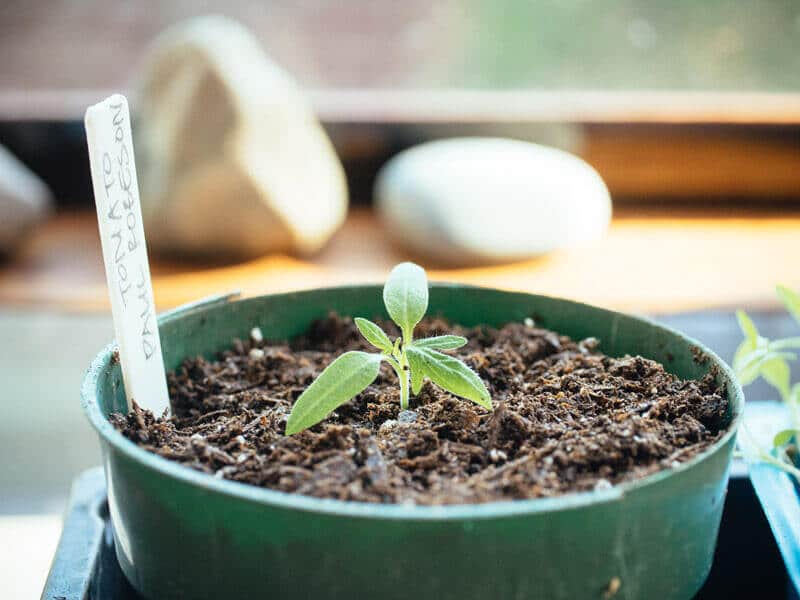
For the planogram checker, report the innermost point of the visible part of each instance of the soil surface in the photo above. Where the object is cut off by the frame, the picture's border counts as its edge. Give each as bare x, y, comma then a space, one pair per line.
566, 418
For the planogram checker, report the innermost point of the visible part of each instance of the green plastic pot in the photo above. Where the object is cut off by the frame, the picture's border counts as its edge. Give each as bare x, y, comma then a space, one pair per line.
180, 533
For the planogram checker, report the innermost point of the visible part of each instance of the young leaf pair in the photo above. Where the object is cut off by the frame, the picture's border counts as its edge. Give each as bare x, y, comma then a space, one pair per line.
758, 356
406, 298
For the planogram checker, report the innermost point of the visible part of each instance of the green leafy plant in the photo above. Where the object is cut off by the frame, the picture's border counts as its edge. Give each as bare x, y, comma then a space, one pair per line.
757, 357
406, 298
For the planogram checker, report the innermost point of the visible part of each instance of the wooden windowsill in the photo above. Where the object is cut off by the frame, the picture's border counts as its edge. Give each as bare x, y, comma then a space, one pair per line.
649, 262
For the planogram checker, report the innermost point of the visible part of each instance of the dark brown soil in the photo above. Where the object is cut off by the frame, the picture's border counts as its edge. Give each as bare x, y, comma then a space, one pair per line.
567, 418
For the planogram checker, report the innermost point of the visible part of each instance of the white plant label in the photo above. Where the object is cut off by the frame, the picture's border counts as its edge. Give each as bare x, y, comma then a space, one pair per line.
119, 214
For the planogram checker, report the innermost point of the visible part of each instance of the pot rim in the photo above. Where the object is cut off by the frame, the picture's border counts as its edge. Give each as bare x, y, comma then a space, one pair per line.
368, 510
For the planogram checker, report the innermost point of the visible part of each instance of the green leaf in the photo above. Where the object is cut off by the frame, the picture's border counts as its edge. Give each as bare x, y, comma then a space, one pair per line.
792, 342
344, 378
783, 437
417, 366
417, 374
791, 300
747, 326
374, 334
777, 373
406, 297
748, 364
441, 342
449, 373
745, 368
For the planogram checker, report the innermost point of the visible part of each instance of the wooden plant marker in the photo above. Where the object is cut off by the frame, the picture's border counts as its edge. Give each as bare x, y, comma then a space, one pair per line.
119, 215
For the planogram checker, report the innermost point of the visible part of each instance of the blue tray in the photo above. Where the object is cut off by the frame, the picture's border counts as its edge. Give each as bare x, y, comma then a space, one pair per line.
85, 565
778, 492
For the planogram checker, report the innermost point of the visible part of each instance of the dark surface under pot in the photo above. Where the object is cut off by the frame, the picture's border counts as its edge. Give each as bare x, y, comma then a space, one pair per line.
747, 563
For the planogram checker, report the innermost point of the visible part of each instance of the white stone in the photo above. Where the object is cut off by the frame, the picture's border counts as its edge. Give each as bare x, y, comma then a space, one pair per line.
232, 160
256, 335
407, 416
469, 200
24, 200
603, 484
496, 455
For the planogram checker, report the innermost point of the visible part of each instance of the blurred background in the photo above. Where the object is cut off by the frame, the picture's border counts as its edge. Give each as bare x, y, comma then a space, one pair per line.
689, 111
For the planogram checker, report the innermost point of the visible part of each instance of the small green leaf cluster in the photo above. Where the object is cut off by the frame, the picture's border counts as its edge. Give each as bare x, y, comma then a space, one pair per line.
758, 356
406, 298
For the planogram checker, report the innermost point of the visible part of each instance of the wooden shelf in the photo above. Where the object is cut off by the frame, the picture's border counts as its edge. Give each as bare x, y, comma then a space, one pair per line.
650, 261
391, 106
